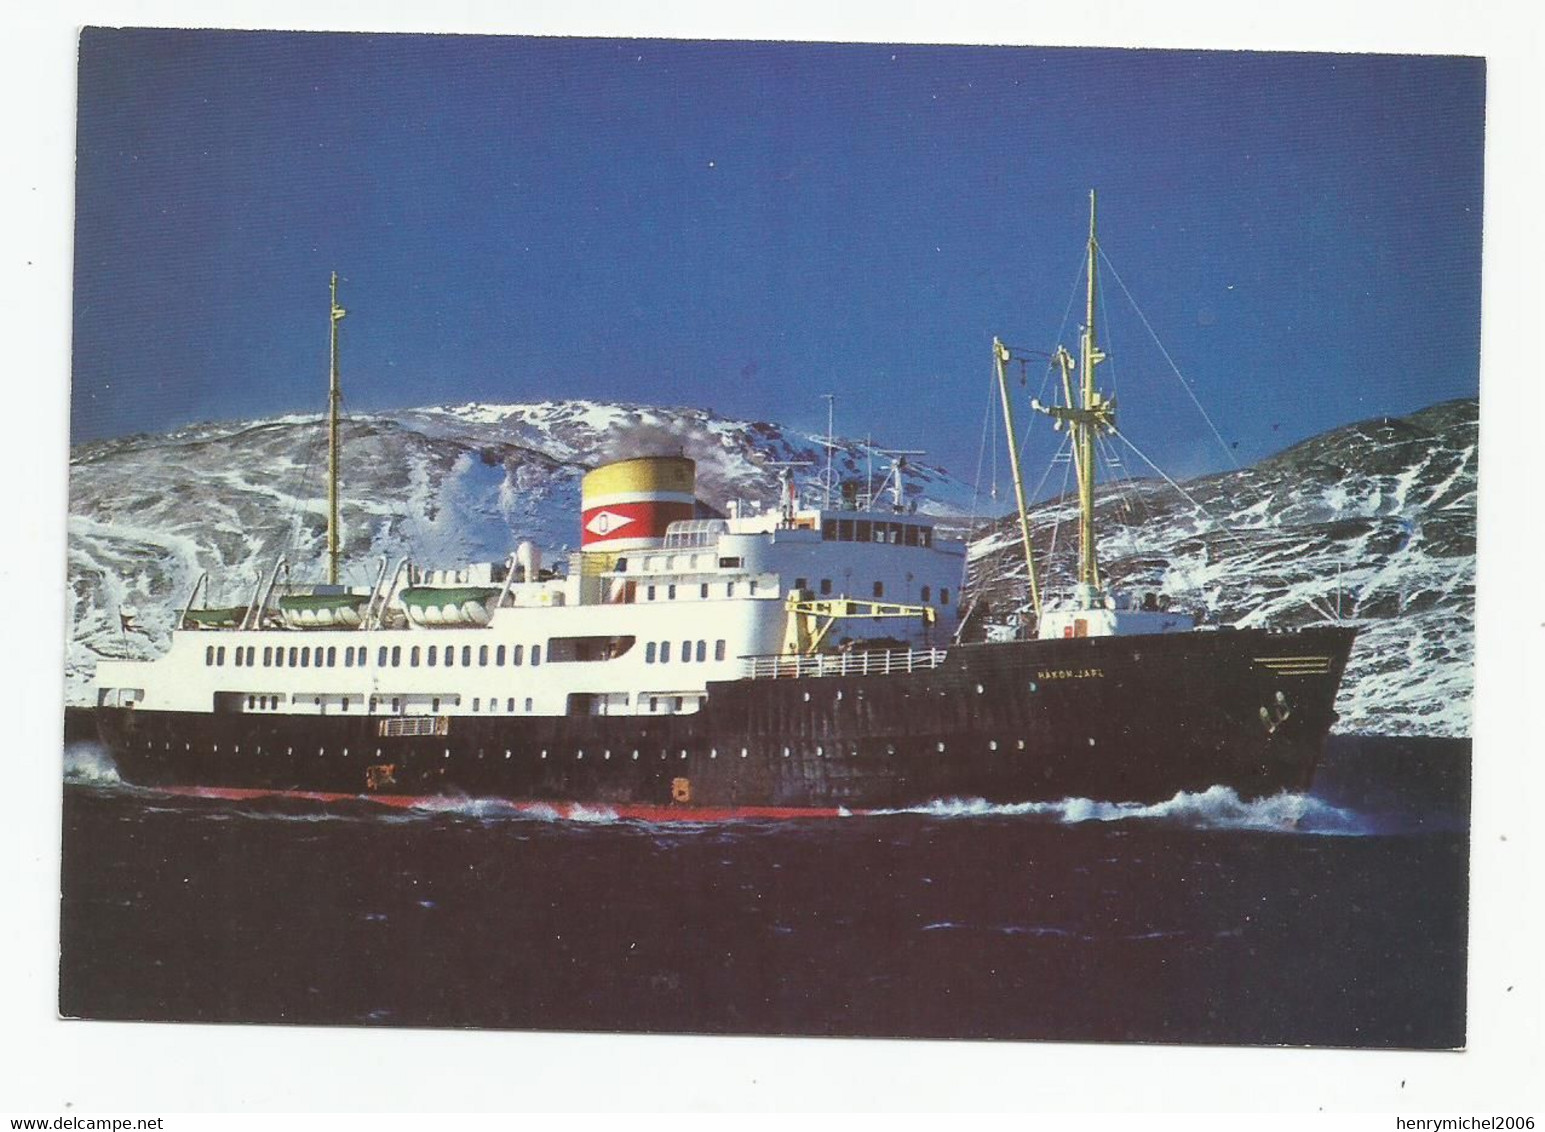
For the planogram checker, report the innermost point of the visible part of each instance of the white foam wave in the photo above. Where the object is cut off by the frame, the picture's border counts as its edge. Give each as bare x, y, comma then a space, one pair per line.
1218, 807
90, 762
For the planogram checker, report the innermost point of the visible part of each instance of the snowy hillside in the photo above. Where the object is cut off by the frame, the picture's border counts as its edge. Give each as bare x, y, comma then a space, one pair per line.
1378, 515
447, 486
1376, 519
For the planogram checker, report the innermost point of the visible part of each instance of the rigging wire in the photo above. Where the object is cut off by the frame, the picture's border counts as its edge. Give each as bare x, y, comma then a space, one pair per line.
1322, 610
1186, 385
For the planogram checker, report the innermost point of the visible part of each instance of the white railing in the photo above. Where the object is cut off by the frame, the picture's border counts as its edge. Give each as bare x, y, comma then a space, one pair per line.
784, 667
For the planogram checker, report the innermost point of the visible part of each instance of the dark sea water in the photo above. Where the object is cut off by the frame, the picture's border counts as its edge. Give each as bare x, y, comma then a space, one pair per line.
1335, 918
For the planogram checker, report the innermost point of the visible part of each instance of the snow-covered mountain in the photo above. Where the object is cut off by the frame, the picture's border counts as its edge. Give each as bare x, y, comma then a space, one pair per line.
1379, 516
1376, 520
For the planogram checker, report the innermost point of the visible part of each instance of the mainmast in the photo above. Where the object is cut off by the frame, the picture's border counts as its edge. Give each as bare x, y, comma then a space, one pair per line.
1085, 420
1084, 428
335, 398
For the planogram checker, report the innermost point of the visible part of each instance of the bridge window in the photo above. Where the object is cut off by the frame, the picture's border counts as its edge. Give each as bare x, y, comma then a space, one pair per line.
702, 651
927, 593
434, 704
220, 655
466, 655
670, 593
861, 532
499, 656
332, 656
665, 652
568, 649
826, 586
433, 653
686, 652
482, 656
718, 650
649, 593
703, 591
396, 656
536, 655
649, 651
381, 657
729, 563
879, 589
268, 656
209, 655
239, 658
413, 657
528, 703
944, 597
518, 655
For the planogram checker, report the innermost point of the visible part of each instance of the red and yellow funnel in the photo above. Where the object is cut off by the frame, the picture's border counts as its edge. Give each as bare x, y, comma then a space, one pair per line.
628, 505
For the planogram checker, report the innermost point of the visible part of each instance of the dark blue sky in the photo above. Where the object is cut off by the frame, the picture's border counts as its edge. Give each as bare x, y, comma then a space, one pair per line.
747, 226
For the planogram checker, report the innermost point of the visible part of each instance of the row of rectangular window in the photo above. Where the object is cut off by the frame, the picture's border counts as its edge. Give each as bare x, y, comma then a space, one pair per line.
879, 590
660, 652
271, 703
873, 530
318, 656
652, 593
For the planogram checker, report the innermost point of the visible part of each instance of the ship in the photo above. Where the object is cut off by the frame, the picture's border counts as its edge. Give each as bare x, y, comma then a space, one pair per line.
800, 660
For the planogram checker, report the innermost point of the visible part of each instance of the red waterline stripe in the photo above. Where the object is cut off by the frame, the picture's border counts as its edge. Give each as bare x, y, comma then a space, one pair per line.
565, 810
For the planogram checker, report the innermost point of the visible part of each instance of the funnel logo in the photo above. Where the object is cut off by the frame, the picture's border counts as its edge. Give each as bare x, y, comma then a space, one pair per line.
606, 522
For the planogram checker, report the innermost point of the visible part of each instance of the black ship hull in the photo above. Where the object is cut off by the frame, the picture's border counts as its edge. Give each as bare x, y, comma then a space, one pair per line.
1115, 718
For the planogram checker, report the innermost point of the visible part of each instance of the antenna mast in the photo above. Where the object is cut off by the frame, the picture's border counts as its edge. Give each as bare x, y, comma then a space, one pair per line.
334, 399
831, 401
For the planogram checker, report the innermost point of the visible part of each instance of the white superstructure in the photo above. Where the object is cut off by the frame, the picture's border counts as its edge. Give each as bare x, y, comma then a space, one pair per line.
639, 631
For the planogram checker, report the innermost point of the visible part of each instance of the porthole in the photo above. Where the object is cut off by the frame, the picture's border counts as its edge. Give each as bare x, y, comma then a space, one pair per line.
941, 747
992, 744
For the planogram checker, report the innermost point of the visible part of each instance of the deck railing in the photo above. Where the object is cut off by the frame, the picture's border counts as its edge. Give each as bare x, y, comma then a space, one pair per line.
785, 667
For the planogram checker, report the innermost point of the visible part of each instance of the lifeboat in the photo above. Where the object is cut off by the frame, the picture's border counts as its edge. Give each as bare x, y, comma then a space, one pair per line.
214, 618
438, 606
323, 611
